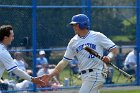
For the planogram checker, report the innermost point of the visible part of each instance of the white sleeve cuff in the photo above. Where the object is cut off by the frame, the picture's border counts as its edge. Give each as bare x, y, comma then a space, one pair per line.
22, 74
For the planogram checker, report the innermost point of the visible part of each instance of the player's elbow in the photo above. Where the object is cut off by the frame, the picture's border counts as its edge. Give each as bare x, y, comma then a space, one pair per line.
114, 51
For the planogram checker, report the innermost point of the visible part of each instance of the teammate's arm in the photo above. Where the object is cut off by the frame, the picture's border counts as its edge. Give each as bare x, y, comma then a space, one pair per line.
25, 76
22, 74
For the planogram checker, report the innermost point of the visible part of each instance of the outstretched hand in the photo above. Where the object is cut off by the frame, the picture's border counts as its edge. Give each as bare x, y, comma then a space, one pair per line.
45, 78
38, 81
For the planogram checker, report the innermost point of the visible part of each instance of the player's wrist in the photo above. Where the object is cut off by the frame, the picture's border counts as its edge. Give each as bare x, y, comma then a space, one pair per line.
54, 73
110, 55
32, 78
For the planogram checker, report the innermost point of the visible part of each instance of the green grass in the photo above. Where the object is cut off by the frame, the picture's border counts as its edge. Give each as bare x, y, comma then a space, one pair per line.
123, 91
120, 38
74, 80
122, 79
5, 75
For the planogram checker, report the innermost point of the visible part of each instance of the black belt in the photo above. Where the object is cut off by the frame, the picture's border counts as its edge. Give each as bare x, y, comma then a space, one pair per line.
85, 71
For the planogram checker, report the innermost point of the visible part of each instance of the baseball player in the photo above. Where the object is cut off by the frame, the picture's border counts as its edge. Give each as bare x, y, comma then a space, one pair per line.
90, 67
6, 61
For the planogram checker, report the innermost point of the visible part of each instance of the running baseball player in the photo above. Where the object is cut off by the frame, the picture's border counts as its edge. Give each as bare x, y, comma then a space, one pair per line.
6, 61
90, 67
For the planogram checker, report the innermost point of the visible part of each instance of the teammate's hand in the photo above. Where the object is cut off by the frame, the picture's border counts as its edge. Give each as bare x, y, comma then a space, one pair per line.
38, 81
106, 59
46, 78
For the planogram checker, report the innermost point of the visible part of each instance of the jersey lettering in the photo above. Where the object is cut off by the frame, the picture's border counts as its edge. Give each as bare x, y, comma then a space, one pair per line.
79, 48
91, 56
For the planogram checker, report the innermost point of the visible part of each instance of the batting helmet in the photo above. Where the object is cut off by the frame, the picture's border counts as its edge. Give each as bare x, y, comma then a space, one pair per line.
80, 19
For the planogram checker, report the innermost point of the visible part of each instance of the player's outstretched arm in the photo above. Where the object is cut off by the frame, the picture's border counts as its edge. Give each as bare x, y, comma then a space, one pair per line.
25, 76
60, 66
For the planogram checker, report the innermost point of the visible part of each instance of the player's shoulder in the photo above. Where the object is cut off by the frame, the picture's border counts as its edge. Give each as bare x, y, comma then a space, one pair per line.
1, 47
131, 53
95, 33
74, 39
3, 50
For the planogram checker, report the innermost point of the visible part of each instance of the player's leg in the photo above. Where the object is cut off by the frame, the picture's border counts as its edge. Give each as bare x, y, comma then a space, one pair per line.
91, 87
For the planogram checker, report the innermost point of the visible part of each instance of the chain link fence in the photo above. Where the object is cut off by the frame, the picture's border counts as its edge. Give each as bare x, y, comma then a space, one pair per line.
115, 19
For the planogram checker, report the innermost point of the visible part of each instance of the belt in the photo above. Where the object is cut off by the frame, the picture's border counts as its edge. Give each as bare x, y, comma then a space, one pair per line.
86, 71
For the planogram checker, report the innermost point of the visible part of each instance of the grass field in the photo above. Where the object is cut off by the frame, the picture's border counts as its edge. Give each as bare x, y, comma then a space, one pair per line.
108, 91
123, 91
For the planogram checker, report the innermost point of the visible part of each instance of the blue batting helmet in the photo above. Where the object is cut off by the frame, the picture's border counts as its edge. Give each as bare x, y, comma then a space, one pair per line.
80, 19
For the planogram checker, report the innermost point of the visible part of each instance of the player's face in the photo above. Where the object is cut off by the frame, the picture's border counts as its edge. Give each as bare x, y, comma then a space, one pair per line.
9, 39
76, 28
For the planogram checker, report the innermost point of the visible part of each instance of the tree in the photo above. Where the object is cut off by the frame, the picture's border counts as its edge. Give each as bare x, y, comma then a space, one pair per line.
129, 27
